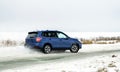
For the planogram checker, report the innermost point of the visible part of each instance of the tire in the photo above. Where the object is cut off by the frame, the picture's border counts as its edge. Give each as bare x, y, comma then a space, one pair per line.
74, 48
47, 49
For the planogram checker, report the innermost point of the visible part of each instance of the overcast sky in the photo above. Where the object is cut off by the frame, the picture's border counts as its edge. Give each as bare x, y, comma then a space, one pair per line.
65, 15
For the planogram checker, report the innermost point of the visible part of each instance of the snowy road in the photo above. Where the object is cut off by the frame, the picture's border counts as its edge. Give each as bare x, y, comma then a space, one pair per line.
20, 57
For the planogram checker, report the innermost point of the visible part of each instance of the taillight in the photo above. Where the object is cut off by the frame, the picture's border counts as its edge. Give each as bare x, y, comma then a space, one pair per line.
38, 39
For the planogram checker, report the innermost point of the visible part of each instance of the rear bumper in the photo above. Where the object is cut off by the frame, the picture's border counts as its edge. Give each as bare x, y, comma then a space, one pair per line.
32, 45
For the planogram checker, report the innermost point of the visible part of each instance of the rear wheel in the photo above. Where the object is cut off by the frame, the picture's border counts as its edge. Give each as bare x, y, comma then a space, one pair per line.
47, 49
74, 48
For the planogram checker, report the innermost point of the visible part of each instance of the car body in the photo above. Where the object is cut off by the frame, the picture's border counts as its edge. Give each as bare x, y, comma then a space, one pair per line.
52, 40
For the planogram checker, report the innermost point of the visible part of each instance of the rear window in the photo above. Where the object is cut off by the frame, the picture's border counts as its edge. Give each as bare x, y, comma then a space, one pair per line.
32, 34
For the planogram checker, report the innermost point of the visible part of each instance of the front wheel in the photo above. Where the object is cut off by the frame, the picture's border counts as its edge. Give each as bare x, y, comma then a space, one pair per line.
74, 48
47, 49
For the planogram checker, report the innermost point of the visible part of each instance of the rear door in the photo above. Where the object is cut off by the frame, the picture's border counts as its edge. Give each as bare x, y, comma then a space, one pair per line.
51, 37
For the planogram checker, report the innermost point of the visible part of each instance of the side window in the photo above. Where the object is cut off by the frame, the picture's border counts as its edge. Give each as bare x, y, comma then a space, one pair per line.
49, 34
53, 34
45, 34
61, 35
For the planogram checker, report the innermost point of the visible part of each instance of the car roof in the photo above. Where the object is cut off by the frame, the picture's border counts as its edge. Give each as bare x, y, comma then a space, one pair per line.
47, 31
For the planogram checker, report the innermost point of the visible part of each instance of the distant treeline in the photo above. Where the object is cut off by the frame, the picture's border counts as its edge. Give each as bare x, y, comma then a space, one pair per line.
101, 40
106, 38
11, 43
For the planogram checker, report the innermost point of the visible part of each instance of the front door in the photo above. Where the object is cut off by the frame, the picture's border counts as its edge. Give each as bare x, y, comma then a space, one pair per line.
63, 40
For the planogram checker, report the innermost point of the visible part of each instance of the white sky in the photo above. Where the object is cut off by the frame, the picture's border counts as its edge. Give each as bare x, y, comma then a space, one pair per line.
65, 15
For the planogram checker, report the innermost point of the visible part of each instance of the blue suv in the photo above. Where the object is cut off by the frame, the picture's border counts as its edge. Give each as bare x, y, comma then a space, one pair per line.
52, 40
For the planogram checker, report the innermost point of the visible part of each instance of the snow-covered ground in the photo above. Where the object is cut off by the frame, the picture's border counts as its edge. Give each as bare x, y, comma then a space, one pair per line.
91, 58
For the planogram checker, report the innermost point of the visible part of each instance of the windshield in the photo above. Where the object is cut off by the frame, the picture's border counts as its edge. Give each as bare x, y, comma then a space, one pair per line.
61, 35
